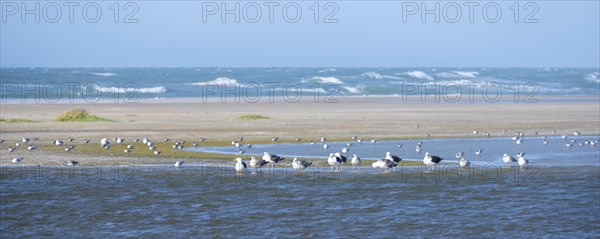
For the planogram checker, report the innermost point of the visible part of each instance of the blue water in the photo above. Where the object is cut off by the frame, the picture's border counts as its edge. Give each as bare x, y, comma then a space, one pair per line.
556, 198
142, 83
555, 153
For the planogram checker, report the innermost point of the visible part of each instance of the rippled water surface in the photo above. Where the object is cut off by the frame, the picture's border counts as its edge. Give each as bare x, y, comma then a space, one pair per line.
200, 200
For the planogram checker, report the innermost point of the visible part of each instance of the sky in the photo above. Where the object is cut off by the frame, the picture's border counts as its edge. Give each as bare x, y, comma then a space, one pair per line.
345, 34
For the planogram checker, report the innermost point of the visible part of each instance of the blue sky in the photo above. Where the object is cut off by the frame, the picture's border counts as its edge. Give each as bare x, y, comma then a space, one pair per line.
368, 33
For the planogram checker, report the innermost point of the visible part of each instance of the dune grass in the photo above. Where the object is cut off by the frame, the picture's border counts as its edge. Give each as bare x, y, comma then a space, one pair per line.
79, 115
18, 121
253, 117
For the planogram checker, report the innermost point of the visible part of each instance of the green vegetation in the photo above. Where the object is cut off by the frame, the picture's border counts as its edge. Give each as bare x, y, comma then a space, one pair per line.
18, 121
253, 117
79, 115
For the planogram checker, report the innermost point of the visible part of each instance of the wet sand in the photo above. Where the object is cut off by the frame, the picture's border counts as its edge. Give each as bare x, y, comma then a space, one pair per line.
372, 117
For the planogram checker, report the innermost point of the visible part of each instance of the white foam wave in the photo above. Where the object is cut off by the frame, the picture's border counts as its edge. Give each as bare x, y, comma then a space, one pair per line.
378, 76
158, 89
218, 81
455, 74
593, 77
328, 80
354, 90
326, 70
418, 75
103, 74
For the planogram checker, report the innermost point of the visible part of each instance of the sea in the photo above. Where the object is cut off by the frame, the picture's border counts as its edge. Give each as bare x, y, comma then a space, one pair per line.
130, 84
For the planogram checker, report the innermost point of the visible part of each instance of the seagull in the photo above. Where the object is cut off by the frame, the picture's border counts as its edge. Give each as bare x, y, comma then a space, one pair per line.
354, 137
576, 133
298, 139
32, 147
344, 159
349, 144
85, 141
545, 141
373, 141
519, 141
345, 150
25, 140
384, 164
325, 146
249, 146
120, 140
145, 141
475, 132
355, 161
257, 164
564, 136
126, 151
312, 142
241, 151
58, 142
432, 160
478, 152
178, 163
420, 143
334, 161
300, 164
569, 145
166, 139
103, 142
359, 140
417, 126
156, 152
522, 162
508, 160
323, 139
195, 144
136, 140
69, 148
129, 146
389, 156
11, 149
464, 163
487, 134
274, 139
459, 155
418, 149
240, 166
72, 163
271, 158
17, 160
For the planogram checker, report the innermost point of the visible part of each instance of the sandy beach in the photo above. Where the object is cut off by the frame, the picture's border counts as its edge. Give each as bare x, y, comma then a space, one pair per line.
372, 117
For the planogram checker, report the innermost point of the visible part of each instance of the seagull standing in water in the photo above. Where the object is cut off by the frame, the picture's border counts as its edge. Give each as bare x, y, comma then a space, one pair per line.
334, 161
300, 164
240, 166
272, 159
508, 160
464, 163
431, 160
257, 164
522, 161
355, 161
459, 155
478, 152
385, 164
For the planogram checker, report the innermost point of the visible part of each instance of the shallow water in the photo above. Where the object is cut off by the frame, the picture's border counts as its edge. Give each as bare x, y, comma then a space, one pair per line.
210, 200
555, 153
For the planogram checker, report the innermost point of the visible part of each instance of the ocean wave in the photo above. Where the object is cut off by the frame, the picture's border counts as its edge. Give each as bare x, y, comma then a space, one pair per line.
103, 73
218, 81
304, 91
158, 89
592, 77
418, 75
456, 74
354, 90
328, 80
326, 70
378, 76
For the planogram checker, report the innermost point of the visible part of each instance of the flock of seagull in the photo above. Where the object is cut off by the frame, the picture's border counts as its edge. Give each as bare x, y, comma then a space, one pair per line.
335, 160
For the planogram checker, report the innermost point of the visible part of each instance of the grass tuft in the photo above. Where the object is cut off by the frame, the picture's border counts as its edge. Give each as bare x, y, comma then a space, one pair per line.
18, 121
79, 115
253, 117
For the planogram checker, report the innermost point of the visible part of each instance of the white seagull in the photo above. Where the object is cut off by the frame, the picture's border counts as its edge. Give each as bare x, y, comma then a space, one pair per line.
432, 160
522, 162
271, 158
300, 164
240, 166
257, 164
508, 160
17, 160
355, 161
464, 163
178, 163
334, 161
